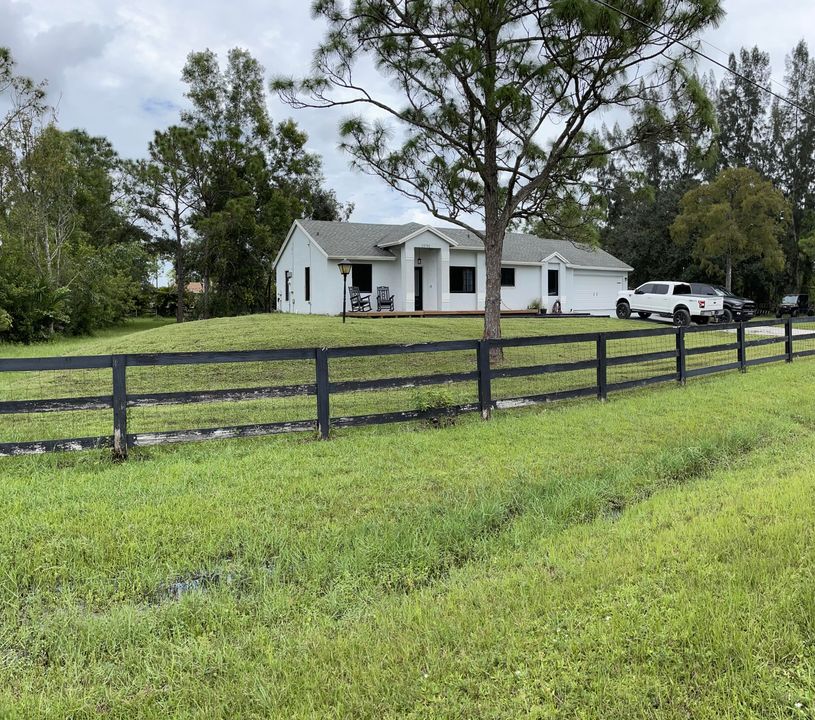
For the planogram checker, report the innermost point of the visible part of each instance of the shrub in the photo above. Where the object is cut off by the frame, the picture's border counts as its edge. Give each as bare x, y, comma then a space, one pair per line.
439, 401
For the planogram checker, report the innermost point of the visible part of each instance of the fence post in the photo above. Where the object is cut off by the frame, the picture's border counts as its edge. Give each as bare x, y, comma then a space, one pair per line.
742, 349
602, 367
788, 339
681, 373
119, 364
323, 410
484, 378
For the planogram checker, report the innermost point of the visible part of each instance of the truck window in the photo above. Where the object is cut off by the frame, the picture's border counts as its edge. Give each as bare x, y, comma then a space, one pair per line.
682, 290
659, 289
643, 289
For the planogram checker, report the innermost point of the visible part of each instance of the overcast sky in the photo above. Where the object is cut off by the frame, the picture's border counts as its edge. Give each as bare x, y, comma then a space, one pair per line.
113, 66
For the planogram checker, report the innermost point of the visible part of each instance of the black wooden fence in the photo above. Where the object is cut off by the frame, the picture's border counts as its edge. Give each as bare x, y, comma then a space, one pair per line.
119, 399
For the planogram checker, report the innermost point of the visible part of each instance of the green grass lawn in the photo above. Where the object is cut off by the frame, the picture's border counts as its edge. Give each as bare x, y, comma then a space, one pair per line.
280, 330
651, 556
82, 344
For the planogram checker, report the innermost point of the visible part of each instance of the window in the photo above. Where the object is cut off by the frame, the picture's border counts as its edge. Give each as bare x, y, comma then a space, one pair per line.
462, 279
682, 290
659, 289
308, 284
288, 285
702, 289
554, 283
507, 277
362, 277
644, 289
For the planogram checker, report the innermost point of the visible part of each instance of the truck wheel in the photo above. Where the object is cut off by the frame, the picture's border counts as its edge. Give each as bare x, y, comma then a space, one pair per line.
778, 313
623, 310
726, 317
681, 317
794, 313
644, 315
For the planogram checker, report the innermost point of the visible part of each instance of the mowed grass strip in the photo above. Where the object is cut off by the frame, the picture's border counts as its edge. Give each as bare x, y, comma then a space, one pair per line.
282, 578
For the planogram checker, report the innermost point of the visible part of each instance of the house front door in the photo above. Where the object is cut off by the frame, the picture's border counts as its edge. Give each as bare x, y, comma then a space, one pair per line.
417, 289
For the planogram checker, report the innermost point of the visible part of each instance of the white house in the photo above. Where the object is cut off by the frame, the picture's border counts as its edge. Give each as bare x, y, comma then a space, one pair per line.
430, 268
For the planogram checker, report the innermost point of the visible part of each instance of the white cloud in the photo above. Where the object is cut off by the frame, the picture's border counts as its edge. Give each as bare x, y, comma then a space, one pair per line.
114, 66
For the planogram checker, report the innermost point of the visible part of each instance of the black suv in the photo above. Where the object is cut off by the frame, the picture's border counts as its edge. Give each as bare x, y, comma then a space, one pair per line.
735, 308
793, 305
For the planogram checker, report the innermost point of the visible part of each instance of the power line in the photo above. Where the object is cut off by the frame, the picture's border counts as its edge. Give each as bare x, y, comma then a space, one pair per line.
727, 55
707, 57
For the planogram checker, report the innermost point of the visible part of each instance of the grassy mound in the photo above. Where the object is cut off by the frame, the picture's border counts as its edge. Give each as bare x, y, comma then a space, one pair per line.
252, 332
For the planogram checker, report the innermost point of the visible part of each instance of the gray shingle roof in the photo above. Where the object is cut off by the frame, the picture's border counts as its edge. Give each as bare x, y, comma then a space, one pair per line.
340, 239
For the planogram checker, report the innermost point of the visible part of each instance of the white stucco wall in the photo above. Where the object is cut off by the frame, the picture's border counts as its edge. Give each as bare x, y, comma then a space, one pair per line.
298, 254
527, 287
469, 301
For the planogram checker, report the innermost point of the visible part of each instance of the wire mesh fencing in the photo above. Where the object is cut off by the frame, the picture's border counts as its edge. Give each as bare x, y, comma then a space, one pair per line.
532, 369
711, 348
364, 385
803, 337
648, 356
173, 398
765, 340
54, 404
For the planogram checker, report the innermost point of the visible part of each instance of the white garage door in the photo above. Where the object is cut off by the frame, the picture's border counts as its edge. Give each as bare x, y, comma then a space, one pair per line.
596, 291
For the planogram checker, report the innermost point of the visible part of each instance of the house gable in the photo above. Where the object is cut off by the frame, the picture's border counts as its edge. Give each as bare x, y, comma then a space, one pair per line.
417, 234
296, 226
555, 257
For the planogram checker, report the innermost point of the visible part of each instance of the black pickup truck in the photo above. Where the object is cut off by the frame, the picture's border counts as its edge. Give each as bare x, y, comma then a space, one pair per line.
793, 305
736, 308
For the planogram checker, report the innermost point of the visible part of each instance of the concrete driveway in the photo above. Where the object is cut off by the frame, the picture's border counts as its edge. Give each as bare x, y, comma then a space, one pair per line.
774, 330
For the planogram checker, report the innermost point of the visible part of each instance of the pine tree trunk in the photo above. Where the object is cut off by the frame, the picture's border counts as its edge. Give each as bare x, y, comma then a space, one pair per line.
179, 272
493, 246
494, 224
493, 250
267, 296
728, 273
205, 283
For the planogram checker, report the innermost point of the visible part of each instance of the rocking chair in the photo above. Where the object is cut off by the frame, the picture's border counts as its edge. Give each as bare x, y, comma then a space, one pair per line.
384, 299
359, 303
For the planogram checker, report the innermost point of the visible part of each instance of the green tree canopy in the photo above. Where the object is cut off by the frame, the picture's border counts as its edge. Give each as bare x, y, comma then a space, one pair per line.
250, 179
163, 185
71, 258
493, 119
737, 217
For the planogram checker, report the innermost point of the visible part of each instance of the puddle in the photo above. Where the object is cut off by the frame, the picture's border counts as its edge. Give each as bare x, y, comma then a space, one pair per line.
195, 583
614, 510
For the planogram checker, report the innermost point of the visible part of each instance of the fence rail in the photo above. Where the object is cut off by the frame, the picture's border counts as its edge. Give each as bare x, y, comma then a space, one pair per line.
324, 388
